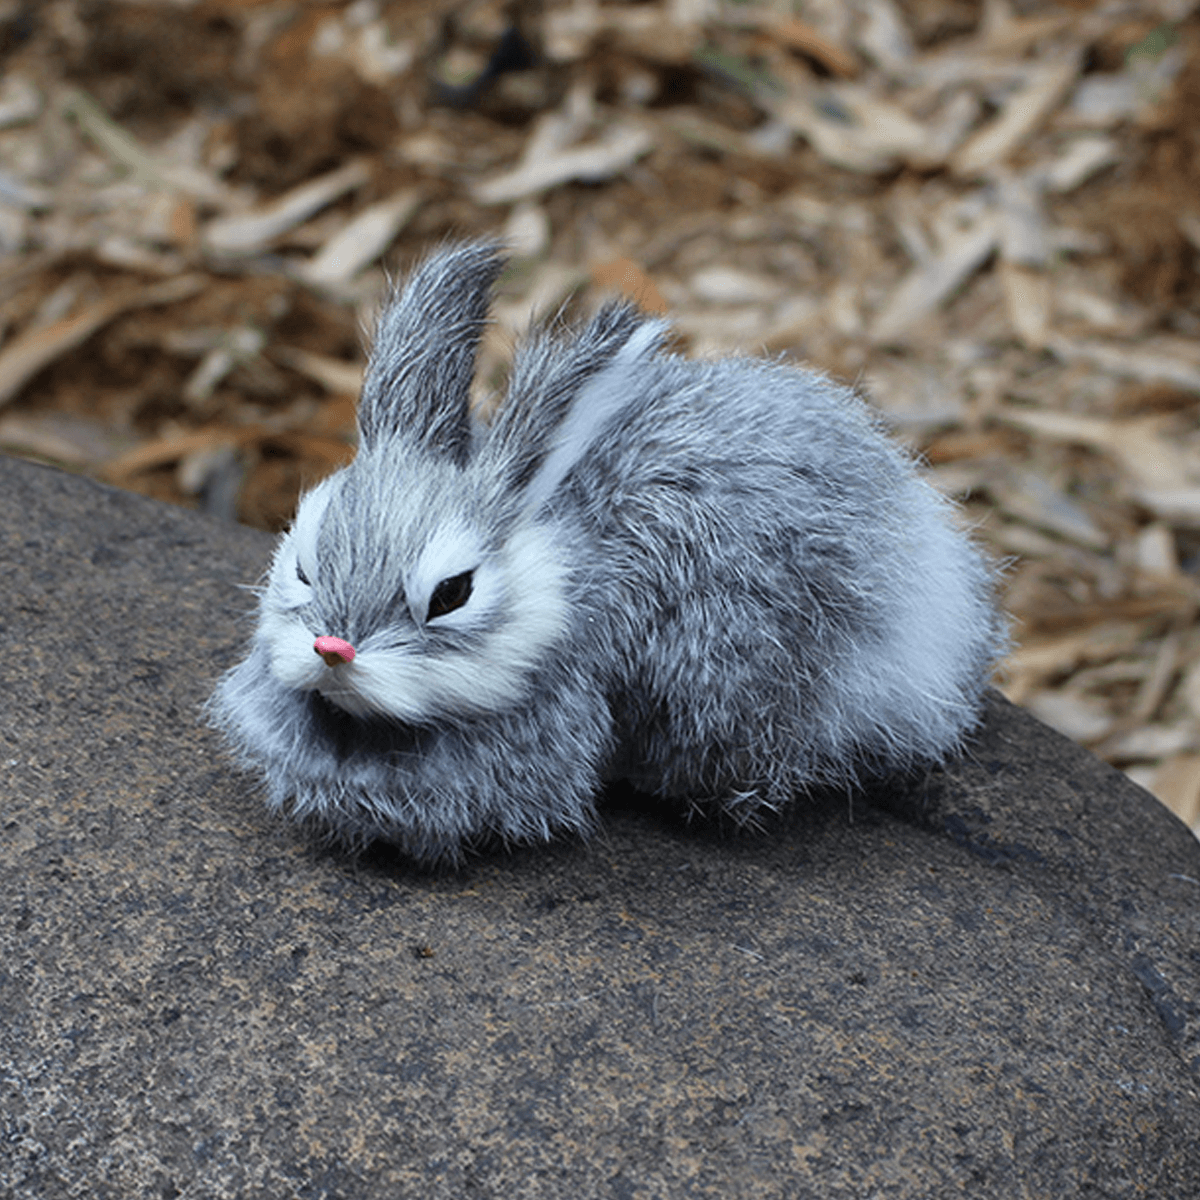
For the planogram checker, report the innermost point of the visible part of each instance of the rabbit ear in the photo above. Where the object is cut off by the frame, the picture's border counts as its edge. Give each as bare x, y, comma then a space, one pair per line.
419, 378
563, 394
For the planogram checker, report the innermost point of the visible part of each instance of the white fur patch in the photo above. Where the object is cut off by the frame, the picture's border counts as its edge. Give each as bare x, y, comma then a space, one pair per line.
452, 551
290, 644
287, 589
939, 615
306, 528
298, 548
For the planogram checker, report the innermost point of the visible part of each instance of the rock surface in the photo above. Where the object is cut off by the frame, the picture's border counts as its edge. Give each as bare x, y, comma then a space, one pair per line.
987, 988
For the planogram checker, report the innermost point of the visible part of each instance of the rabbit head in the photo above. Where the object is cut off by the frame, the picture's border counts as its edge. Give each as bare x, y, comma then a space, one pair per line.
424, 582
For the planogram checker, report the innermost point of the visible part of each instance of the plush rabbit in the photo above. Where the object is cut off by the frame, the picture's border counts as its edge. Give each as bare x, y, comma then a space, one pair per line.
716, 580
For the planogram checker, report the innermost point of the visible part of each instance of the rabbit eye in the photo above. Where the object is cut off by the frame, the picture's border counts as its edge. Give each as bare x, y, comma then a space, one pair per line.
300, 575
450, 594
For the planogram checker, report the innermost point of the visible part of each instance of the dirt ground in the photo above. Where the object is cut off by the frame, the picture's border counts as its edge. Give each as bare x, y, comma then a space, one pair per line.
986, 216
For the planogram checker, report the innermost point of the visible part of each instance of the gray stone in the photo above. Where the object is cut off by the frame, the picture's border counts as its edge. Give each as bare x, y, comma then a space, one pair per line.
984, 985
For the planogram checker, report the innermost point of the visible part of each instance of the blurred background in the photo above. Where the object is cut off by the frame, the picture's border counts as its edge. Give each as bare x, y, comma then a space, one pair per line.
985, 215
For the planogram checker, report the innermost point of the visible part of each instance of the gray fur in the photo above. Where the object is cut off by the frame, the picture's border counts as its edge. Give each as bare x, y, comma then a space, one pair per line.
720, 581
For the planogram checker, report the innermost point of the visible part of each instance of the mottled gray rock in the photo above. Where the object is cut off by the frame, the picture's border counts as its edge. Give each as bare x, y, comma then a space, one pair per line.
988, 986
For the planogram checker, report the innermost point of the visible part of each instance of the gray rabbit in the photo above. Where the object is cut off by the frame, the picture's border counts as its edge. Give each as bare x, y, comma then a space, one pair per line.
719, 581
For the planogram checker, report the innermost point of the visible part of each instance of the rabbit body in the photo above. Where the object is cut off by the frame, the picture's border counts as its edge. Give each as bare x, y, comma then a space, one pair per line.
719, 581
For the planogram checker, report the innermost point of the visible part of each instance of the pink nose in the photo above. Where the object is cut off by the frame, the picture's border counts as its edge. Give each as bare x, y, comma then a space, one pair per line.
334, 651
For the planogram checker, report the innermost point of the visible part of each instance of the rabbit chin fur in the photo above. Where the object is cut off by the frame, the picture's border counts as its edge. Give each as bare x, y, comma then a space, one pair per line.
719, 580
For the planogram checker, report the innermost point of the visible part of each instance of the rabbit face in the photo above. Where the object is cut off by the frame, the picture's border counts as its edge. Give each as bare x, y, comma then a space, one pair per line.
415, 612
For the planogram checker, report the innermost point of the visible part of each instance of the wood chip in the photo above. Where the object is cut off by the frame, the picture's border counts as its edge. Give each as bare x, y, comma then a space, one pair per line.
20, 100
163, 452
527, 230
1179, 506
1014, 36
1189, 690
997, 140
1189, 226
1146, 365
1024, 234
933, 281
850, 127
1151, 741
616, 150
17, 194
333, 374
32, 352
1077, 717
730, 285
920, 396
546, 291
1177, 784
235, 347
1154, 688
1083, 158
146, 166
65, 438
1141, 444
885, 37
1027, 495
698, 130
119, 251
1043, 659
668, 38
799, 35
1027, 296
327, 452
251, 232
1105, 100
361, 240
1156, 554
